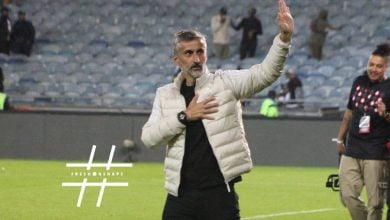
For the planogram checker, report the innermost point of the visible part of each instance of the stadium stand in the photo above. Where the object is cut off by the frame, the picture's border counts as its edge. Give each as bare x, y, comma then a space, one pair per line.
115, 53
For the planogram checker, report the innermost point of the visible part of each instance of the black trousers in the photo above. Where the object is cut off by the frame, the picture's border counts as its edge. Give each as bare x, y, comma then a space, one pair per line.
21, 48
248, 49
207, 204
4, 47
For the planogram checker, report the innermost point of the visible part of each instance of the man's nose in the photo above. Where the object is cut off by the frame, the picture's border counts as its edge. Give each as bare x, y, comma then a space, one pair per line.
196, 58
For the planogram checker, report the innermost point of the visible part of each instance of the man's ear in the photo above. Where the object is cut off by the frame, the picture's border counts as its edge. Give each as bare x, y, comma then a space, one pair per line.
175, 60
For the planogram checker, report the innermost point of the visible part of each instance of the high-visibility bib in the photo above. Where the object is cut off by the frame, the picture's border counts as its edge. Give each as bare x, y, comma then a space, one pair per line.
269, 108
2, 100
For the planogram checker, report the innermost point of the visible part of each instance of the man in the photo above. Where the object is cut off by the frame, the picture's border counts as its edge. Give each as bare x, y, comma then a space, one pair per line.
251, 28
198, 117
220, 28
5, 31
319, 29
22, 35
293, 90
269, 107
362, 138
294, 85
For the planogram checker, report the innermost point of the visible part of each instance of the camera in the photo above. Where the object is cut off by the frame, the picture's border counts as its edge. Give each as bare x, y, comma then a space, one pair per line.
333, 182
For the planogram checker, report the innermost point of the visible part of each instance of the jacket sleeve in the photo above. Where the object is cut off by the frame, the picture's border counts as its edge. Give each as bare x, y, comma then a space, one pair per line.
247, 82
159, 130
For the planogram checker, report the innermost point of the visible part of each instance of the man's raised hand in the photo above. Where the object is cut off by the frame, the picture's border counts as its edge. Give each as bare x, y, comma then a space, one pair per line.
285, 21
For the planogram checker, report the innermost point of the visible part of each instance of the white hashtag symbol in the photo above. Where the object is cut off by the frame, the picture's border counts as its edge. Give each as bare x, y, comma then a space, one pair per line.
102, 184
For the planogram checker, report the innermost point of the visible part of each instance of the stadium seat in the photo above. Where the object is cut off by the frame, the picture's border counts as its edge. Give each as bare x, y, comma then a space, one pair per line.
326, 70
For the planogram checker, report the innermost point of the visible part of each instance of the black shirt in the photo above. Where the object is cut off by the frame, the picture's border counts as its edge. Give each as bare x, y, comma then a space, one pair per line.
23, 32
200, 168
292, 85
248, 24
362, 101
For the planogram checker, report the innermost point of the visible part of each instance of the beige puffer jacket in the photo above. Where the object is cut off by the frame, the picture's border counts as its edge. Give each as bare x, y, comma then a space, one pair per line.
226, 132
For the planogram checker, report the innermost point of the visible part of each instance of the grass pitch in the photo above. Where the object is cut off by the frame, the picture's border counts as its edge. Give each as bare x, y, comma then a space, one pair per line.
33, 190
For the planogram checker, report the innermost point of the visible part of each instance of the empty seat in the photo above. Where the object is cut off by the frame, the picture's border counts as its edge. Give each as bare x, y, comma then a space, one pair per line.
327, 70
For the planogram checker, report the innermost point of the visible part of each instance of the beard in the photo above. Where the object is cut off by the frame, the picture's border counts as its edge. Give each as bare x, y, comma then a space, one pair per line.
196, 73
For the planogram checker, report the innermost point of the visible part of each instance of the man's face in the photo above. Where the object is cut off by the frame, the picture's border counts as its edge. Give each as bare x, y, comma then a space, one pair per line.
252, 12
376, 68
191, 57
21, 17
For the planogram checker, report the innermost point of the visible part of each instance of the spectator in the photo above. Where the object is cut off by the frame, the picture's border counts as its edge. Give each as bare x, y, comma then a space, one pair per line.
269, 107
201, 168
22, 35
251, 26
220, 27
362, 138
294, 85
293, 90
5, 31
319, 29
4, 101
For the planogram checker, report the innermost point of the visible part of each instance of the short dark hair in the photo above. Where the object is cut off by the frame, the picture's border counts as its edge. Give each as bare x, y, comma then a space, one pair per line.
223, 10
382, 50
252, 10
271, 94
185, 35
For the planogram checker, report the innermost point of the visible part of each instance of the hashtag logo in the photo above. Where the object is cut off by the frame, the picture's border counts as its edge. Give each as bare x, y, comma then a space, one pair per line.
103, 184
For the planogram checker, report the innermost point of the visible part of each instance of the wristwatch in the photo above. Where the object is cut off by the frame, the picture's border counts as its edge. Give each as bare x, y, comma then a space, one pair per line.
182, 117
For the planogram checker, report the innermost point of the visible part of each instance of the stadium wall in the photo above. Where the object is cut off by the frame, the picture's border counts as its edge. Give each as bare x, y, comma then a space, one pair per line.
70, 136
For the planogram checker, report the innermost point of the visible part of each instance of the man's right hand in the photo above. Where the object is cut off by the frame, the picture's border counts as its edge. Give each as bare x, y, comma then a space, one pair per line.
201, 110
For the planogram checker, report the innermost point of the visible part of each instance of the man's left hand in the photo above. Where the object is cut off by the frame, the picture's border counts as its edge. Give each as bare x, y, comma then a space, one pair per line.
285, 21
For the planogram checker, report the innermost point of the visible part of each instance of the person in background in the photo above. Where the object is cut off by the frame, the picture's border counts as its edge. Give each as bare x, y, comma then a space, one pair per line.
319, 29
220, 27
22, 35
294, 85
251, 26
198, 118
292, 90
269, 107
5, 104
4, 100
5, 31
362, 138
